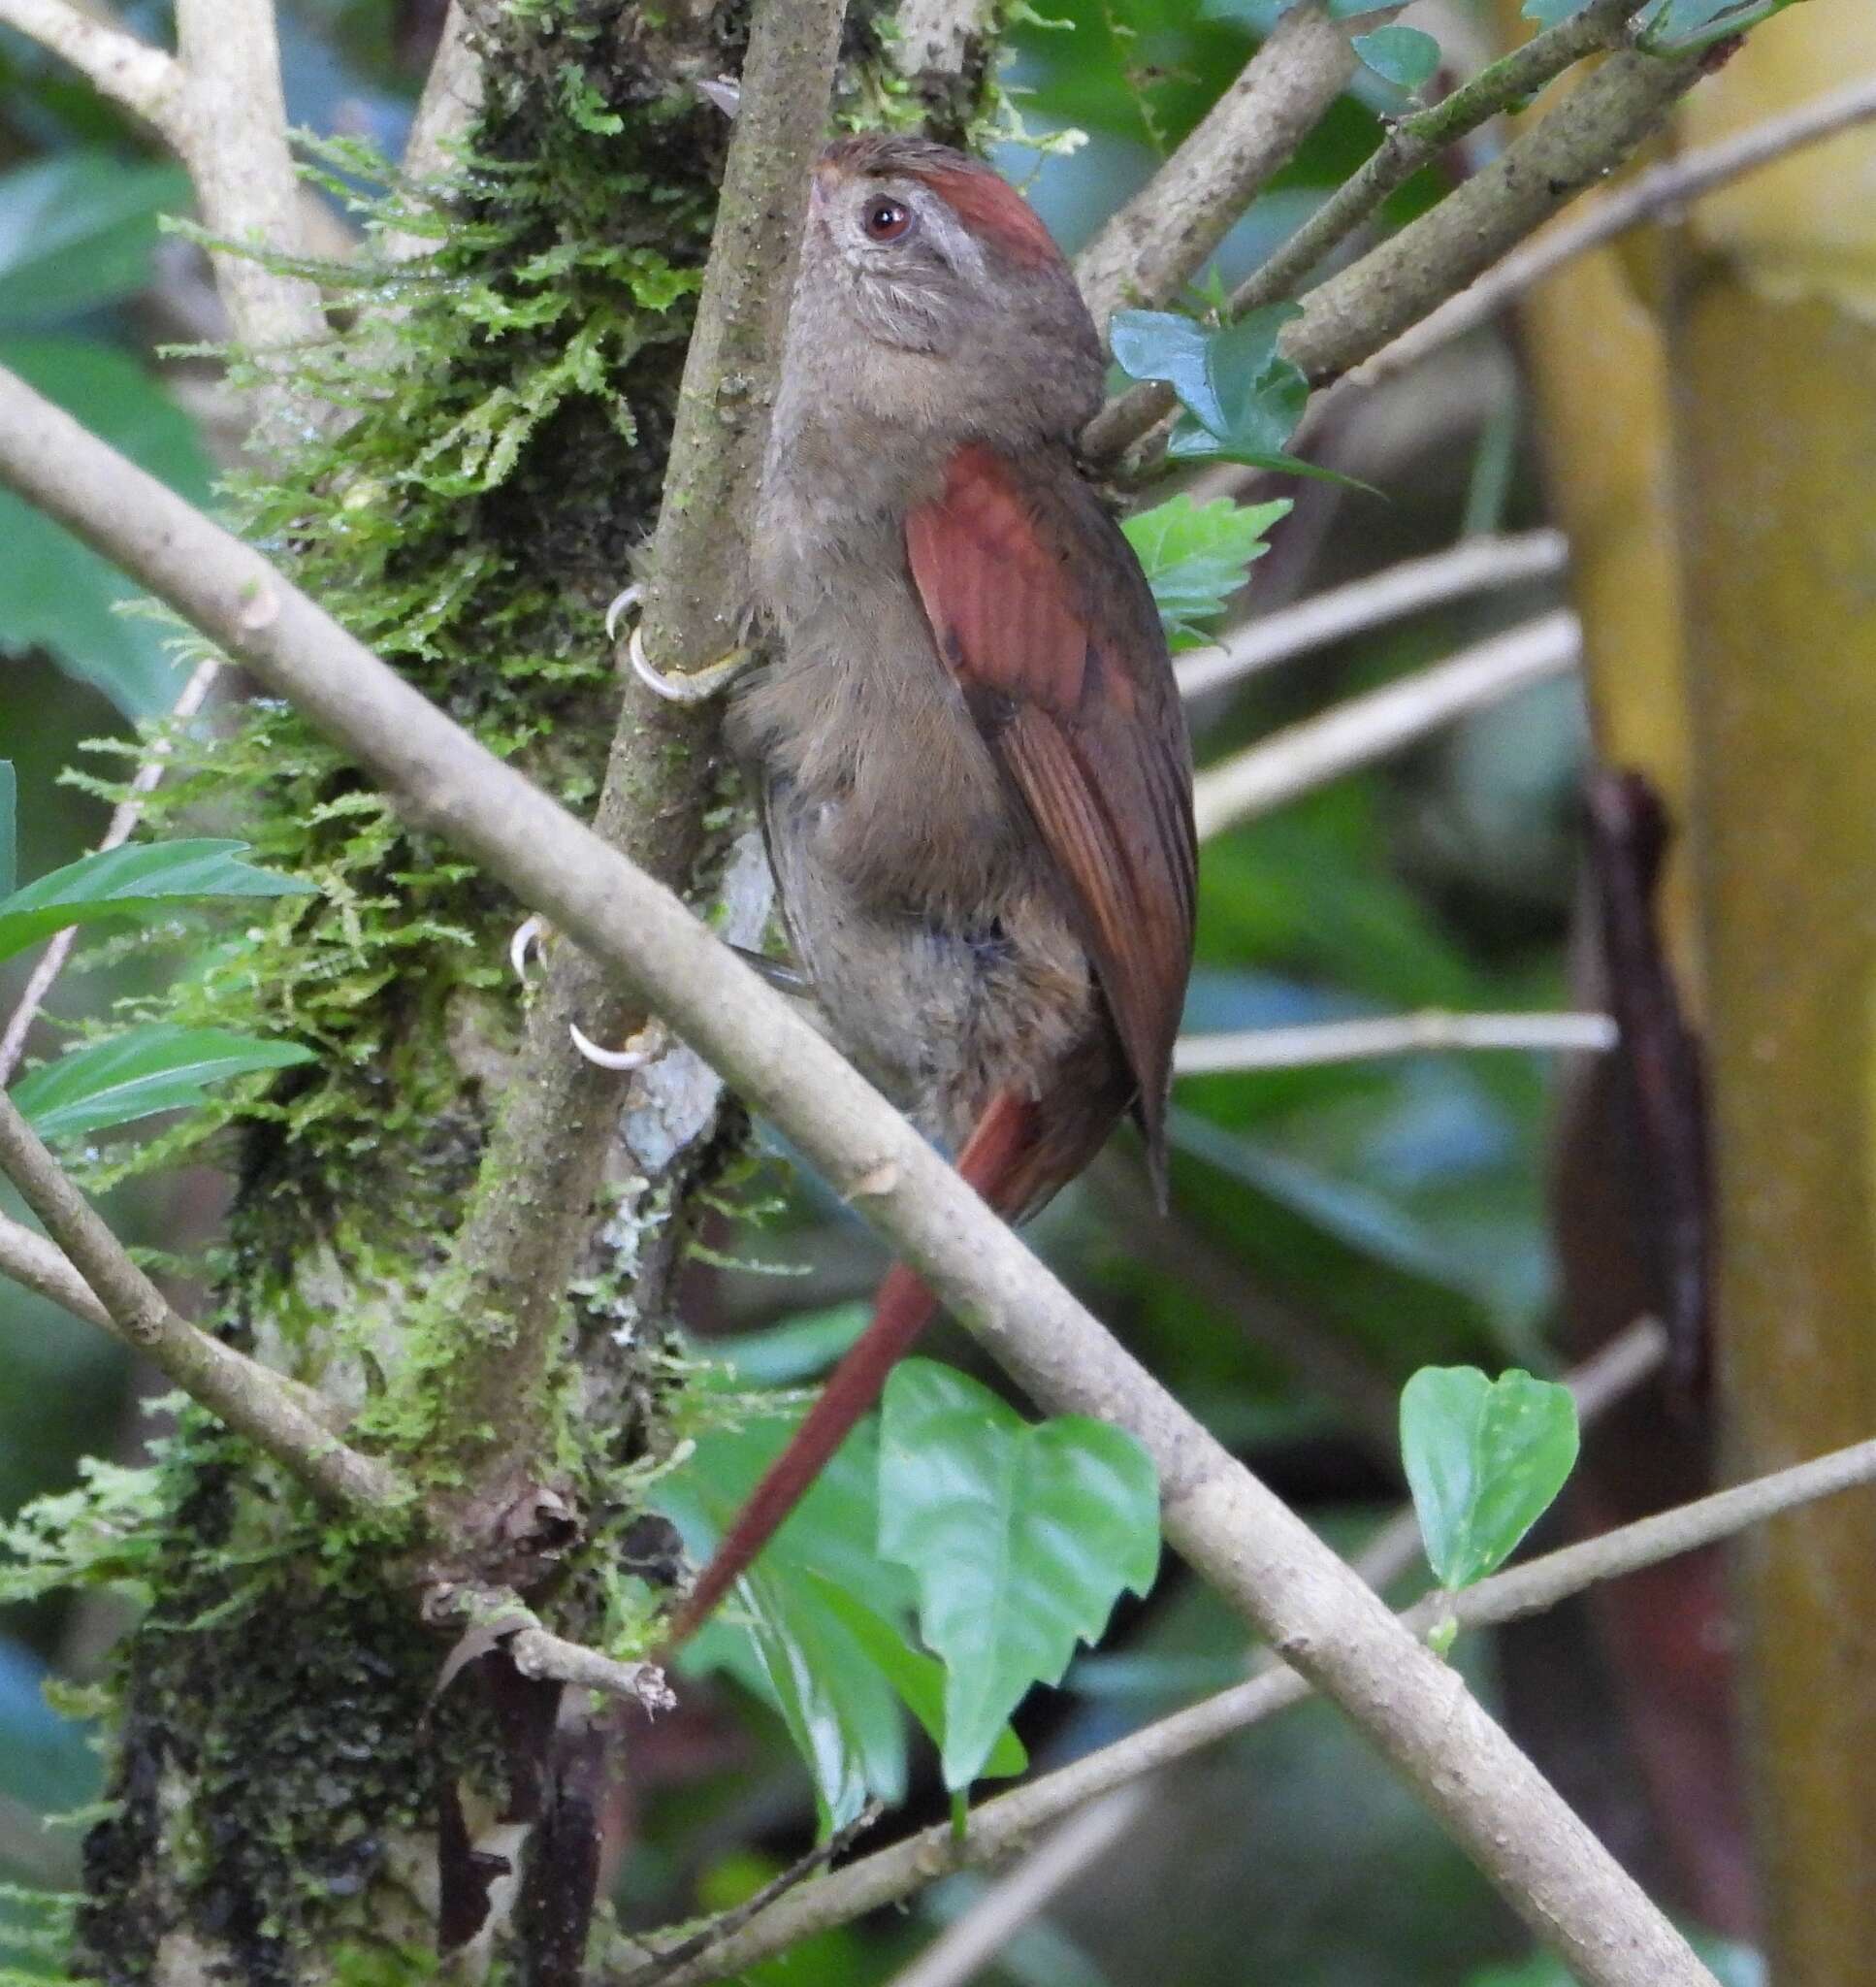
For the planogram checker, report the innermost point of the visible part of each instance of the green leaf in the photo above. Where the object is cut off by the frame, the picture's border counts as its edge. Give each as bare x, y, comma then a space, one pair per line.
1161, 344
76, 231
8, 826
58, 595
1020, 1537
1484, 1458
1682, 26
1402, 55
918, 1679
1197, 555
140, 881
788, 1354
157, 1067
783, 1641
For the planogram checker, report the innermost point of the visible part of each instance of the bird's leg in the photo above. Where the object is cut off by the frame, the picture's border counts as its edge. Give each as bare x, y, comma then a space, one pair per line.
693, 686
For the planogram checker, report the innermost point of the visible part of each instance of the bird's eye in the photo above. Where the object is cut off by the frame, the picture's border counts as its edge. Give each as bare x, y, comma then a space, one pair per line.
886, 219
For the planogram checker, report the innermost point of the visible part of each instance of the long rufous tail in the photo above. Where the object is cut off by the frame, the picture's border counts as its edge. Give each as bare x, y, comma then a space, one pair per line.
992, 1161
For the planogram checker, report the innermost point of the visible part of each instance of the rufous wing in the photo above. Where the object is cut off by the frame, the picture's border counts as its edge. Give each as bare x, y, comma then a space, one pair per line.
1040, 612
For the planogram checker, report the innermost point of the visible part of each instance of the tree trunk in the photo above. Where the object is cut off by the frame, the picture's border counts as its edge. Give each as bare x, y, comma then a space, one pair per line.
1773, 354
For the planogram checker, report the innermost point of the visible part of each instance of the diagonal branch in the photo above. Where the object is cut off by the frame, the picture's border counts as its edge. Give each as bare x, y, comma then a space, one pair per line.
1258, 1554
1659, 191
1161, 237
1357, 311
253, 1401
1356, 733
1472, 565
146, 82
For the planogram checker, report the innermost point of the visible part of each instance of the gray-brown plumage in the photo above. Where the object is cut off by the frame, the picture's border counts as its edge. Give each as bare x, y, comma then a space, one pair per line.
974, 769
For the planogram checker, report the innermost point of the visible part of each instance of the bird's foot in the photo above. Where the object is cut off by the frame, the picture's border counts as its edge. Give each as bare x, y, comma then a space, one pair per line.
642, 1048
693, 686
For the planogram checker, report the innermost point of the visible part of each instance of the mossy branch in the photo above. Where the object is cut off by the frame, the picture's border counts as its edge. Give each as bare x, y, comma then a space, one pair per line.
532, 1212
1261, 1557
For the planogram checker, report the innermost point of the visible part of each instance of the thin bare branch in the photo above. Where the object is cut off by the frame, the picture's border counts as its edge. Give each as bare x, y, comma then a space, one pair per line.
1259, 1555
890, 1875
1660, 191
1356, 733
1473, 566
30, 1259
1162, 236
254, 1402
450, 104
1391, 1034
146, 82
123, 825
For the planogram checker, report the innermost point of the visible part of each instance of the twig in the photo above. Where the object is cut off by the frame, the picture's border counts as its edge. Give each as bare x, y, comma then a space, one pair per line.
665, 1963
537, 1652
144, 81
532, 1212
1354, 314
1364, 728
1659, 191
124, 817
30, 1259
973, 1942
1473, 566
253, 1401
1161, 237
1259, 1555
451, 102
999, 1825
1392, 1034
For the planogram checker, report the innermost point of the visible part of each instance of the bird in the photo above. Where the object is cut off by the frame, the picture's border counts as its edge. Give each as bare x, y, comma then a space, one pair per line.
971, 762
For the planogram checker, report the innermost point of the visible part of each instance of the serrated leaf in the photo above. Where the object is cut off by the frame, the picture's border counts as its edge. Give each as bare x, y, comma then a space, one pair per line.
1021, 1537
920, 1680
76, 231
1484, 1458
1196, 556
9, 826
57, 594
140, 881
157, 1067
1403, 56
782, 1639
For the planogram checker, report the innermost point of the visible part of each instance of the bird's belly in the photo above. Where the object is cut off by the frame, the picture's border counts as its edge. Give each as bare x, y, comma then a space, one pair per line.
940, 1005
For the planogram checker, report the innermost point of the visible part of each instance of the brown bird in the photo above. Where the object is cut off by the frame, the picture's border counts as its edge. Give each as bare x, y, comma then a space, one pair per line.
975, 778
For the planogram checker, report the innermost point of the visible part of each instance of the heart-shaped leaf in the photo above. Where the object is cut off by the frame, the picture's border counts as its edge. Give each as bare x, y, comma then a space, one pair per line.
158, 1067
1484, 1458
138, 882
1019, 1538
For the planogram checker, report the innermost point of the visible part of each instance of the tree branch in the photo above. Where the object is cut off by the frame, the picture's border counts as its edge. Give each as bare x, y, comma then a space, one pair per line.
1161, 237
1356, 733
30, 1259
253, 1401
1009, 1820
1262, 1558
1659, 191
1392, 1034
146, 82
1472, 565
532, 1212
1354, 314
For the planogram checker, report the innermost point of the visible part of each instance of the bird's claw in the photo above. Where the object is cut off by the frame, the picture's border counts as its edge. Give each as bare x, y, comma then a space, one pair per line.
525, 944
693, 686
643, 1048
